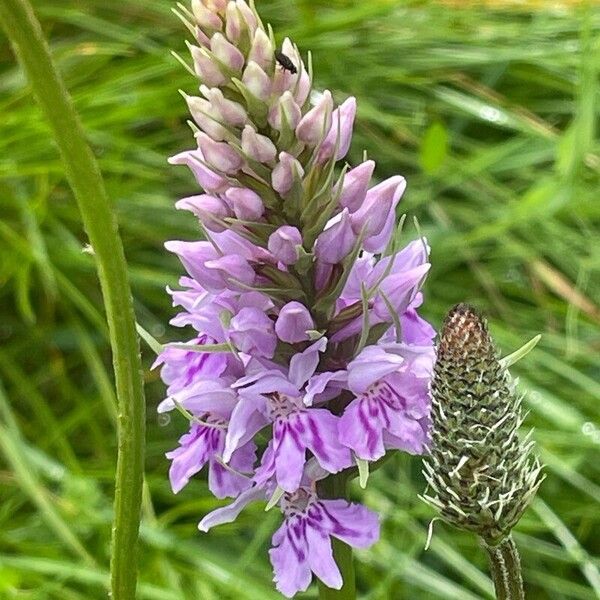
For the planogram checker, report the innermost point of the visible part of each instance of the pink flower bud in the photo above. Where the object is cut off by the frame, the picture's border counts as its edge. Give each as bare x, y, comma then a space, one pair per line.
257, 81
303, 86
257, 146
283, 244
206, 18
206, 208
233, 23
380, 202
233, 269
206, 117
216, 5
285, 111
284, 173
342, 120
208, 179
231, 112
226, 52
248, 14
337, 241
262, 51
202, 38
213, 272
316, 122
293, 322
219, 155
206, 68
246, 204
378, 243
355, 185
251, 331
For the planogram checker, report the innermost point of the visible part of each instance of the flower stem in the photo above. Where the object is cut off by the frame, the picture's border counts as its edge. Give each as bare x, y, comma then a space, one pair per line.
26, 36
335, 487
505, 566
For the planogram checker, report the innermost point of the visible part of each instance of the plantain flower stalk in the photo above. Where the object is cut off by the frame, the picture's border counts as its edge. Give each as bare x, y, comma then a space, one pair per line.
481, 474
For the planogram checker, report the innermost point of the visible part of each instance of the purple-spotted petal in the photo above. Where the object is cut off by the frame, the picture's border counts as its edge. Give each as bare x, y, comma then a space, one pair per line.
361, 430
289, 452
289, 558
320, 558
195, 449
369, 366
321, 438
352, 523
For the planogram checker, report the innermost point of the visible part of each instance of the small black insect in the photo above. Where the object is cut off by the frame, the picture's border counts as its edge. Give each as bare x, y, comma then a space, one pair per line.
285, 62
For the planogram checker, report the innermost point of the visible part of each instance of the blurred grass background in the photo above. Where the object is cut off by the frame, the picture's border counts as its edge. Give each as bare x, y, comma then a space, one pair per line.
491, 117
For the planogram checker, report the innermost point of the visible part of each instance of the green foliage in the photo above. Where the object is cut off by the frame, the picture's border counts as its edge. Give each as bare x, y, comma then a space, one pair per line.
510, 209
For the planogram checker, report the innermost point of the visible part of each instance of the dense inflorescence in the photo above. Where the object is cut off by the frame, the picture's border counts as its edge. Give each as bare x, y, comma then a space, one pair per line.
481, 474
304, 315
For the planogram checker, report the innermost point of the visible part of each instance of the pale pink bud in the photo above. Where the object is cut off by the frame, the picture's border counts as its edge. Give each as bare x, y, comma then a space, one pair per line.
206, 208
317, 121
202, 38
233, 23
232, 269
246, 204
302, 87
288, 48
206, 68
231, 112
379, 203
257, 146
286, 111
205, 17
262, 51
337, 241
226, 52
219, 155
355, 185
208, 179
284, 173
284, 80
206, 117
248, 14
378, 243
342, 120
293, 322
216, 5
283, 244
257, 81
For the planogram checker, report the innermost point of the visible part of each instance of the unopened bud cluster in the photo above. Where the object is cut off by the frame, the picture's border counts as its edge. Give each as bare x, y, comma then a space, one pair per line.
481, 475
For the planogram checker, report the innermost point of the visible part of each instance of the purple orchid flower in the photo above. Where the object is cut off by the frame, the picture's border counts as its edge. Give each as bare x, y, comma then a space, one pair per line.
391, 404
290, 258
273, 397
204, 444
302, 545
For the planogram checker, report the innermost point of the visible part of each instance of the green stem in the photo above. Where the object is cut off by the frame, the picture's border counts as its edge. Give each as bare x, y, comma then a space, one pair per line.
505, 566
335, 487
25, 34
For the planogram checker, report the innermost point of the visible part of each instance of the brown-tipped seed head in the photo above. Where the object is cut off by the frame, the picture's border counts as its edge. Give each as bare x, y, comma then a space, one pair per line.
481, 475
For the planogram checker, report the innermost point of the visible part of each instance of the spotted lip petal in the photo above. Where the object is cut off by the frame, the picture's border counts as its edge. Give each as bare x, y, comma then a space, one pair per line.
302, 545
391, 405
